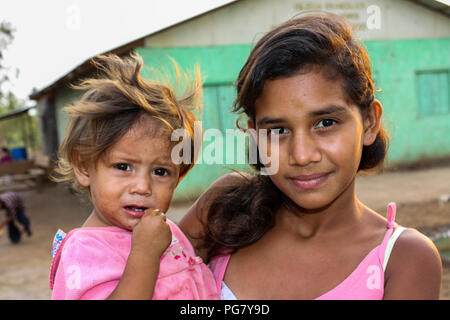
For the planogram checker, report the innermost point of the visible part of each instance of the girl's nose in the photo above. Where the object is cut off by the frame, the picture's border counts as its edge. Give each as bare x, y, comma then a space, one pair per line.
303, 150
141, 185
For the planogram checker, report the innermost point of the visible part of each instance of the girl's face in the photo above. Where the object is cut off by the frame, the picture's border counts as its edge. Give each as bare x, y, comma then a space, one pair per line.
321, 136
135, 174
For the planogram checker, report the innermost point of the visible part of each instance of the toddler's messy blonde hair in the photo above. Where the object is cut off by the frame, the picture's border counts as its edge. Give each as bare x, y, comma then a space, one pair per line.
113, 103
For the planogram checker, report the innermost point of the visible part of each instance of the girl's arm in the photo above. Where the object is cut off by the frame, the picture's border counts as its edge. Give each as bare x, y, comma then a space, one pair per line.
151, 237
414, 270
194, 221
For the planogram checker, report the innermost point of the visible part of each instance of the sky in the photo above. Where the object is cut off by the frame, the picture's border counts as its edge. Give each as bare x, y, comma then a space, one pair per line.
54, 36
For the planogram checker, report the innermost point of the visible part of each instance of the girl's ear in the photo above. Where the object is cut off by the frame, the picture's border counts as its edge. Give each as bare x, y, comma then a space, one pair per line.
82, 175
372, 122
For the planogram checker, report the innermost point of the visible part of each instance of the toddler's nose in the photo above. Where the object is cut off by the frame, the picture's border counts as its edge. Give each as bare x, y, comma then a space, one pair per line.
141, 185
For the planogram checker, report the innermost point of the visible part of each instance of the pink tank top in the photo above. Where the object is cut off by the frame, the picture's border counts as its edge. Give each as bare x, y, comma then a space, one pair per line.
366, 282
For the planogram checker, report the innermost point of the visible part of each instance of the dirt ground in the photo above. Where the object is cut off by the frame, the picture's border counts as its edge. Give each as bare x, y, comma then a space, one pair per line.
24, 268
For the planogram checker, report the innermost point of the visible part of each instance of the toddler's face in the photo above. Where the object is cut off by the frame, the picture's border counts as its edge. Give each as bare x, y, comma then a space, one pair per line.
135, 174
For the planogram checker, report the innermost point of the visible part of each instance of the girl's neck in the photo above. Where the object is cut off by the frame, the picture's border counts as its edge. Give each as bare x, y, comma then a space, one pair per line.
336, 217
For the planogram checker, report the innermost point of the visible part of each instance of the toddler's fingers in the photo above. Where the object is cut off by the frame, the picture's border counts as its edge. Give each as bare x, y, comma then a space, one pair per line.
157, 212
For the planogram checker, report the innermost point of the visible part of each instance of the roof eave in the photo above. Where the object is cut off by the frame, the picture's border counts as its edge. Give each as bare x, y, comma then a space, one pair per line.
15, 113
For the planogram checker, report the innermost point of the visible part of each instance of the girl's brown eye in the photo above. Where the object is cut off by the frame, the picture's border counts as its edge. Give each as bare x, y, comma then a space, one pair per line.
326, 123
277, 130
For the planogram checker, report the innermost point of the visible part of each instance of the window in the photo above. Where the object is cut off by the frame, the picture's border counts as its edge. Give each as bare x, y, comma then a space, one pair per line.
433, 92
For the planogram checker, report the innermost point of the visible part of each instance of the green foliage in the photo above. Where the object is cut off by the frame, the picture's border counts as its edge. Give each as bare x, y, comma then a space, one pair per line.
22, 130
19, 131
6, 37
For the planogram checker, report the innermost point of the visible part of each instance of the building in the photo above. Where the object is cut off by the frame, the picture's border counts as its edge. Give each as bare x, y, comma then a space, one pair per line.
408, 43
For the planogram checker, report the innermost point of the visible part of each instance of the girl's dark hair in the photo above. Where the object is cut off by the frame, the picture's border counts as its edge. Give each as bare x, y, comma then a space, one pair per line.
245, 211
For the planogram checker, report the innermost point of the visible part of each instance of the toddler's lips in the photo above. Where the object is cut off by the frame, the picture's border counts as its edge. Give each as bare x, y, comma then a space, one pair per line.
135, 211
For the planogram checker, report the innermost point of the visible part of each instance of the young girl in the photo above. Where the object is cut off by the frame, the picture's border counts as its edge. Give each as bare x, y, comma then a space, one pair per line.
118, 149
301, 232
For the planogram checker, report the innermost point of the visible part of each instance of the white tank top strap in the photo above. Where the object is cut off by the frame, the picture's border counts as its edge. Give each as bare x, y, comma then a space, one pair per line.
226, 293
391, 244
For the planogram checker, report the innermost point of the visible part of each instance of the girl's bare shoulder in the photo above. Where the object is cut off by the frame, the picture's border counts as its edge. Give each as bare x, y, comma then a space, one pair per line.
414, 246
194, 220
410, 245
414, 269
217, 187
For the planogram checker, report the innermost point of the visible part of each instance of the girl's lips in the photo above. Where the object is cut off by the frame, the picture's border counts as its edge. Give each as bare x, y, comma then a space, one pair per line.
310, 181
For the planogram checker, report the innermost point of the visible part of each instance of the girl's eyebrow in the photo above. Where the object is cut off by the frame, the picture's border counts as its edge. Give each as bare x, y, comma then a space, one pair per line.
268, 120
331, 109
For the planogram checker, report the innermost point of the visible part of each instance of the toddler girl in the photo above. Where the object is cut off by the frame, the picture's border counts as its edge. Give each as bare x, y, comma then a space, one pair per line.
118, 150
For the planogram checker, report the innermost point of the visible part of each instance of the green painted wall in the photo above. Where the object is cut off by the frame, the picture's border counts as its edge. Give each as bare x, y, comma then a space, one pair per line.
219, 67
219, 64
63, 97
397, 66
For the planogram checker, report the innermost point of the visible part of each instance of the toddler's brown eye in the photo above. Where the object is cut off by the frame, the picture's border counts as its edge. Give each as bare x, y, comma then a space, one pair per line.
122, 166
160, 172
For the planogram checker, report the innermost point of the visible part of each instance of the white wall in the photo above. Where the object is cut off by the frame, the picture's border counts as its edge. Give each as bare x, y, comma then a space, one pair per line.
245, 21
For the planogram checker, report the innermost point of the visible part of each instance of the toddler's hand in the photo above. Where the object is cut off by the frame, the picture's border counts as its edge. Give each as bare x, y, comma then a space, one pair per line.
151, 235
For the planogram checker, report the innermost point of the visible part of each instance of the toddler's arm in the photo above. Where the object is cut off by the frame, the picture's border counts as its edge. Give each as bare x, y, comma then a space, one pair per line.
151, 237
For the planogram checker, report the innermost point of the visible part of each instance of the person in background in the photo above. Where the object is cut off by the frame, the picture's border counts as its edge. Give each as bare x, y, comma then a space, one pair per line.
5, 155
12, 203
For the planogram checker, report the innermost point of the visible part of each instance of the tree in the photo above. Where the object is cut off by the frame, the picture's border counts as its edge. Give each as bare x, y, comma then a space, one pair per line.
16, 131
6, 37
